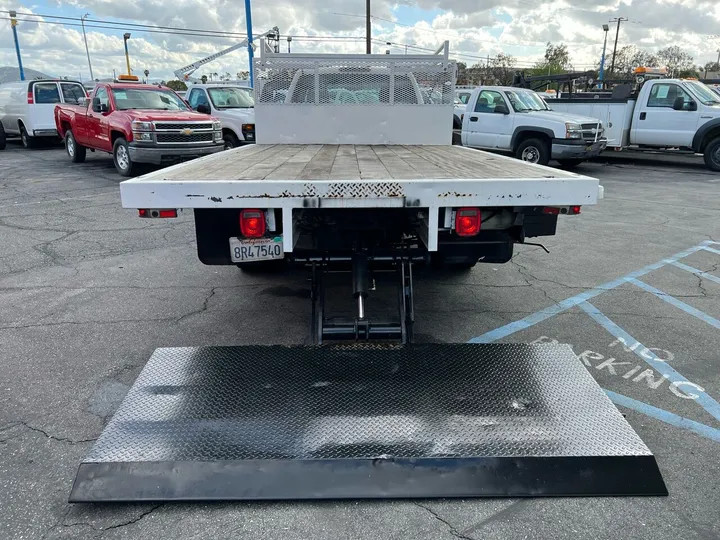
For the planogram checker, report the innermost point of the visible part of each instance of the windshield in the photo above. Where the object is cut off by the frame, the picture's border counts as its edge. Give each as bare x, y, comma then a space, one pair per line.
232, 97
526, 100
146, 98
703, 93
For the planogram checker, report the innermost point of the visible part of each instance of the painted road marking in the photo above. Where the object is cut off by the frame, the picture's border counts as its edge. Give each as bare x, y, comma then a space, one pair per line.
712, 321
666, 370
695, 271
664, 416
543, 314
581, 300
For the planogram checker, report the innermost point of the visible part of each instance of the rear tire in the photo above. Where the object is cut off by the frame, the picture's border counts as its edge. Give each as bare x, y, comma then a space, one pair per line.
27, 141
570, 163
121, 158
712, 155
75, 152
534, 151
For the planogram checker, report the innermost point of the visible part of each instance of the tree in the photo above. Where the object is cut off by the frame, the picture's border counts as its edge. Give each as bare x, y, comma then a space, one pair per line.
203, 79
555, 61
627, 59
461, 73
712, 67
501, 69
178, 86
676, 60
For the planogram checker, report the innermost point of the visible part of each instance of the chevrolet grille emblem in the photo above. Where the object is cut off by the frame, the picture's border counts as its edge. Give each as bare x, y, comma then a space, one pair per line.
187, 131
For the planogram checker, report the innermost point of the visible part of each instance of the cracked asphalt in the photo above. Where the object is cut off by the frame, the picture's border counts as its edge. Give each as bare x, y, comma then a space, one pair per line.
88, 291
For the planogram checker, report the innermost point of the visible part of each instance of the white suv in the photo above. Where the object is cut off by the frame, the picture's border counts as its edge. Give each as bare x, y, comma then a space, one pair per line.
232, 103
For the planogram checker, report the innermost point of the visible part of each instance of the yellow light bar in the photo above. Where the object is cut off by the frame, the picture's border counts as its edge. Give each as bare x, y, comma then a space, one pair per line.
133, 78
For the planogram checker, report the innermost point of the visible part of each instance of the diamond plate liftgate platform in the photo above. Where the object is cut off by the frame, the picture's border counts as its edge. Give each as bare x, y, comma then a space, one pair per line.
365, 421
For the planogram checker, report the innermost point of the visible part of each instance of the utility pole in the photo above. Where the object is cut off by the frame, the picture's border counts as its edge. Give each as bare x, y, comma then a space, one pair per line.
605, 28
13, 23
289, 40
248, 22
368, 28
617, 33
87, 51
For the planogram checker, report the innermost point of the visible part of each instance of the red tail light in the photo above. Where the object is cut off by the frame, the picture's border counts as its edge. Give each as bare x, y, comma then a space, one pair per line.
252, 223
551, 210
574, 210
30, 98
570, 210
468, 221
153, 213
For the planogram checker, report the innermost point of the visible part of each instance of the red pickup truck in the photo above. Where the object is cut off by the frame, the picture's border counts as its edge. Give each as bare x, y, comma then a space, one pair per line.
137, 123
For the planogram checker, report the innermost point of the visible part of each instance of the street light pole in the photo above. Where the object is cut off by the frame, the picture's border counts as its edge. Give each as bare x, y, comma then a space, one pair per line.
13, 23
617, 33
87, 51
251, 52
289, 40
605, 28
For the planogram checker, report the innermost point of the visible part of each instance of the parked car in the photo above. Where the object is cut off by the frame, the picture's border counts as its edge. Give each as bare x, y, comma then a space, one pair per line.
233, 104
26, 107
519, 121
137, 123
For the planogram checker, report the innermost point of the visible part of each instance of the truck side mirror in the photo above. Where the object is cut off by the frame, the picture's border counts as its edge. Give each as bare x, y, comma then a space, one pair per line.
204, 109
501, 108
96, 104
681, 105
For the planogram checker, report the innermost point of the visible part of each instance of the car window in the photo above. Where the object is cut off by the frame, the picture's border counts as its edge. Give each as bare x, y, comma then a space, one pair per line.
148, 98
46, 93
102, 95
664, 95
232, 97
72, 92
197, 97
464, 97
487, 100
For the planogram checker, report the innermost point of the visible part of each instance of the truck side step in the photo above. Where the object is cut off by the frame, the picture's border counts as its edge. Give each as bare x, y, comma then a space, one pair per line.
365, 420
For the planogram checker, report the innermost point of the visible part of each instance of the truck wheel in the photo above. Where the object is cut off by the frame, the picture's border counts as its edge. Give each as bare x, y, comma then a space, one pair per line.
534, 151
712, 155
74, 150
231, 141
26, 139
121, 158
3, 137
570, 163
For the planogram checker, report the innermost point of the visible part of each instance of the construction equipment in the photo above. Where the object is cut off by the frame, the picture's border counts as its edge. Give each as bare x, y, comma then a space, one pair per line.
349, 181
185, 73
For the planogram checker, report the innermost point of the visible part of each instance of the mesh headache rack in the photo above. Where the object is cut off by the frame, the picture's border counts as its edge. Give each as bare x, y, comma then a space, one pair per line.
354, 99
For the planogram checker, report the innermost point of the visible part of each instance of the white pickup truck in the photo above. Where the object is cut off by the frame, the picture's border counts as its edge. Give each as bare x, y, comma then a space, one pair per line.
346, 174
661, 114
519, 122
232, 104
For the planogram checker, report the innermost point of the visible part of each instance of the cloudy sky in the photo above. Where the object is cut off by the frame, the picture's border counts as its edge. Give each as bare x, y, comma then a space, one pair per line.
475, 29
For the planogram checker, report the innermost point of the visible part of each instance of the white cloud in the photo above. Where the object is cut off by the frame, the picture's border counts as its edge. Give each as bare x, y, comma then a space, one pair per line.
475, 30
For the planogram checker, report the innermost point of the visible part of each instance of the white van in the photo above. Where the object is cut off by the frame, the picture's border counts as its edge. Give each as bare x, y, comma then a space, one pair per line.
232, 103
27, 108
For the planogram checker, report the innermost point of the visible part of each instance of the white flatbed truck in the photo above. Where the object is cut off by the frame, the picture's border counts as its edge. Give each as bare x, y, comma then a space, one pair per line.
355, 171
353, 164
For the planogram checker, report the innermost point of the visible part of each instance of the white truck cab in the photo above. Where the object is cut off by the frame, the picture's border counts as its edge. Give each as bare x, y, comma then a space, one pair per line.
232, 103
662, 114
519, 121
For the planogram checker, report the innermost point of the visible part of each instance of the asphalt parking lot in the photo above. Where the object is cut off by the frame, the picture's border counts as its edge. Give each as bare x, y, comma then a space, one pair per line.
88, 291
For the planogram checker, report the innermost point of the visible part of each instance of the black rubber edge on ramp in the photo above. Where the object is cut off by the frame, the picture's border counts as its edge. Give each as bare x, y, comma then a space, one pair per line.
365, 421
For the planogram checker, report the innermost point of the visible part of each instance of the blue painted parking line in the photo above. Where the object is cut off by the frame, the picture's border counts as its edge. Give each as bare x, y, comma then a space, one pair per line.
712, 321
662, 367
664, 416
543, 314
711, 250
695, 271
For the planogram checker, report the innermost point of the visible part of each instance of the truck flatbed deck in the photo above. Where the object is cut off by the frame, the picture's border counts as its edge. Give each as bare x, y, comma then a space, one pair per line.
434, 174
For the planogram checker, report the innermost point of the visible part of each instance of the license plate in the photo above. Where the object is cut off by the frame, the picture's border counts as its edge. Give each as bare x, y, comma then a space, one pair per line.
256, 249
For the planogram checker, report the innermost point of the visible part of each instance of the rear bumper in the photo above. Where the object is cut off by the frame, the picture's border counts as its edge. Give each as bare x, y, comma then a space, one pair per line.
576, 149
158, 155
